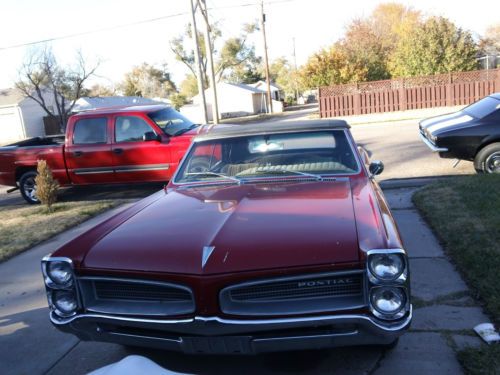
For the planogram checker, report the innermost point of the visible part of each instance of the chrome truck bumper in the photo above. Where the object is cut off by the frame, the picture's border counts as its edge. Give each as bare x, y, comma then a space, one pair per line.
213, 335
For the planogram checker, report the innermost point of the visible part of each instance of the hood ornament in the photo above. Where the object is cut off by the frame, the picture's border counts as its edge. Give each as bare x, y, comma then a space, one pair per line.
207, 251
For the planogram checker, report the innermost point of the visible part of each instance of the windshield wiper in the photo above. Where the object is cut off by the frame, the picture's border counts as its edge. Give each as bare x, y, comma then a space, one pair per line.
317, 177
215, 174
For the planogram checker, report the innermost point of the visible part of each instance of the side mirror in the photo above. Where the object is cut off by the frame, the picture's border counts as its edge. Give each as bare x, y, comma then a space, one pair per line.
376, 167
150, 136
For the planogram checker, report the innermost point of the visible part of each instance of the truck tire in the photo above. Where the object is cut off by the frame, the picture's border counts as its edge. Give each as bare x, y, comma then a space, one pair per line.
487, 160
27, 186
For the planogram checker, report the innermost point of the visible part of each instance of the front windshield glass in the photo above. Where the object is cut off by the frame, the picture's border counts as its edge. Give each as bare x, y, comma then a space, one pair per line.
292, 154
483, 107
171, 121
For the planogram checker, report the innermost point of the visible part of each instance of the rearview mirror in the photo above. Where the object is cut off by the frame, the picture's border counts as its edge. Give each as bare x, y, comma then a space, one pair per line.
150, 136
376, 167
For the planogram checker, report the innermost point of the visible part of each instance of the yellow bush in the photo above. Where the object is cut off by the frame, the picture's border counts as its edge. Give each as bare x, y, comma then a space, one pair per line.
46, 186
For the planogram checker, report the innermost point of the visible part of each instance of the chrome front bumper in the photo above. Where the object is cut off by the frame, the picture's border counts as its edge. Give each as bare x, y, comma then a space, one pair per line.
431, 145
214, 335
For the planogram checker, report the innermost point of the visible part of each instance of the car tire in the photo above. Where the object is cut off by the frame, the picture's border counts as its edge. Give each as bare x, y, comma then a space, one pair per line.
27, 186
487, 160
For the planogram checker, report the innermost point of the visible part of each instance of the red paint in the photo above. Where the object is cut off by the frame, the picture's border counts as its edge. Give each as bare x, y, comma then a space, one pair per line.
258, 230
64, 162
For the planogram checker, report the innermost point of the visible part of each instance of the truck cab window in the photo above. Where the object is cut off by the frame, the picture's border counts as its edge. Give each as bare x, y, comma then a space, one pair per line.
90, 131
130, 129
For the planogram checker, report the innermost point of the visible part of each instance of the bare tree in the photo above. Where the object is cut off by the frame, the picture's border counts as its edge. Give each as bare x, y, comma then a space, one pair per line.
41, 77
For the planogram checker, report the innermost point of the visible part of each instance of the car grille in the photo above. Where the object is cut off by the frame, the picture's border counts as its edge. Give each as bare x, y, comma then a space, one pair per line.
135, 297
298, 294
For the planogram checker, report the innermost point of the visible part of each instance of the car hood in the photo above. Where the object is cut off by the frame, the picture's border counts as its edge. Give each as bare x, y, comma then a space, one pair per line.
230, 228
440, 124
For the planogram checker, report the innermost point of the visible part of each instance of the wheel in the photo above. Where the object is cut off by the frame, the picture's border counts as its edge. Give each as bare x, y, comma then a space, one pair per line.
27, 186
487, 159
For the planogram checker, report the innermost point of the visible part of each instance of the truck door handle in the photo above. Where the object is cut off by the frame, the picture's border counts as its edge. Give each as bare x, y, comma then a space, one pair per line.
77, 153
118, 151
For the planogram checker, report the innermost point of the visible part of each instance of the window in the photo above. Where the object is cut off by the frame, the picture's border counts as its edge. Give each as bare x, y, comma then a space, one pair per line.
483, 107
171, 121
90, 131
130, 129
248, 157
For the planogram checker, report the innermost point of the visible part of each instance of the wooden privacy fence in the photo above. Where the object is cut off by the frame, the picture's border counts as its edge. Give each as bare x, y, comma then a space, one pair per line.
407, 93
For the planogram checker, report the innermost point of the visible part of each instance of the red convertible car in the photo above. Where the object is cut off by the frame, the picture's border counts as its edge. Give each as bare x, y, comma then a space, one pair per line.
269, 237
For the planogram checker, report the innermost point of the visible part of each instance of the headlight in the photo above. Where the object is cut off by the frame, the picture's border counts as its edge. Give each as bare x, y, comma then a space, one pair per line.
386, 266
65, 302
60, 273
388, 300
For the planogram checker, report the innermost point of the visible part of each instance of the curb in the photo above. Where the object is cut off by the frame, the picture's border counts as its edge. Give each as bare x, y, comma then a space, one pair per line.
399, 183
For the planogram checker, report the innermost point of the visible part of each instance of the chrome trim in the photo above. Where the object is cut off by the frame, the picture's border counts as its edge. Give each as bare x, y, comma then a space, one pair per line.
86, 301
286, 338
431, 145
121, 169
284, 306
264, 324
141, 168
48, 281
399, 313
50, 286
97, 170
401, 279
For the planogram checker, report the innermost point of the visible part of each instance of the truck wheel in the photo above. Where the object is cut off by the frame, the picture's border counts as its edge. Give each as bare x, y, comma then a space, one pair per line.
487, 159
27, 186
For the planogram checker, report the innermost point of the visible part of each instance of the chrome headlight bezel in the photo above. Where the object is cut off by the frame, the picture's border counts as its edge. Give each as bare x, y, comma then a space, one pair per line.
399, 278
50, 278
390, 315
55, 286
56, 307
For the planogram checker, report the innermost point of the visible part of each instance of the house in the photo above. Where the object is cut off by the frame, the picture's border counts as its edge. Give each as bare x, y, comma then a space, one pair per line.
98, 102
21, 117
277, 92
234, 99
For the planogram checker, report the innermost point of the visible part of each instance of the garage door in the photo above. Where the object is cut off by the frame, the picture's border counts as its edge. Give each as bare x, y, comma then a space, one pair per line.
10, 126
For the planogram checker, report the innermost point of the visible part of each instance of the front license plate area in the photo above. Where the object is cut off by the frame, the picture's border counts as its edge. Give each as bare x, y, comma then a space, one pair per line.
217, 345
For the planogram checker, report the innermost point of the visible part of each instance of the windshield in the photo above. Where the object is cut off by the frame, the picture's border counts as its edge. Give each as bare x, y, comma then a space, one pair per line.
483, 107
242, 159
171, 122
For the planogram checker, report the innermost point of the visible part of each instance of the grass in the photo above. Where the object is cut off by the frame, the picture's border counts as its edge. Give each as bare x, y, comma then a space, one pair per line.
465, 214
23, 226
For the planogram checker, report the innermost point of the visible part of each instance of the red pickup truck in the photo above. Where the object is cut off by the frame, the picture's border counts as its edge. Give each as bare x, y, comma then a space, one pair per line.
116, 145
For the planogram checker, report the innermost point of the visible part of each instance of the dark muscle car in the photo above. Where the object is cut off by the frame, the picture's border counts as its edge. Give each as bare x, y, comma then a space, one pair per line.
269, 237
470, 134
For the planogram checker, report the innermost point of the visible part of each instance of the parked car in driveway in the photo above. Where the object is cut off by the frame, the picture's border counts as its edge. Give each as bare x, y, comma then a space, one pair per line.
470, 134
104, 146
282, 241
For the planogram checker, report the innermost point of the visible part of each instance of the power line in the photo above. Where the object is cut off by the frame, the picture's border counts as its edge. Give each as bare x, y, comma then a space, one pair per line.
111, 28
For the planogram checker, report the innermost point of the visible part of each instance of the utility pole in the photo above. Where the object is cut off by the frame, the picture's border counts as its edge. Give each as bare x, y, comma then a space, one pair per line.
295, 72
210, 60
201, 86
266, 61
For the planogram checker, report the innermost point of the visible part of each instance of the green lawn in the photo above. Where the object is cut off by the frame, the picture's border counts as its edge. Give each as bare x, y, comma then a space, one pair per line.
464, 212
24, 226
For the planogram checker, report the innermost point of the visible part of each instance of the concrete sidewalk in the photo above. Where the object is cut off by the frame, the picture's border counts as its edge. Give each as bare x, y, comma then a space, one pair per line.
444, 314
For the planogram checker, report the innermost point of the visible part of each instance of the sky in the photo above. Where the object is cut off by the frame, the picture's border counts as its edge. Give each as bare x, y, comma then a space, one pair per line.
313, 24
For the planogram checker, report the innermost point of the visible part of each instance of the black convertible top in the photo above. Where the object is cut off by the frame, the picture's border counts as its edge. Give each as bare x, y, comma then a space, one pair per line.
229, 131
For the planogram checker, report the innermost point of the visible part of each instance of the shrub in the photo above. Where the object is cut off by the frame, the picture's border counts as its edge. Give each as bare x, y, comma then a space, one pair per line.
46, 186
